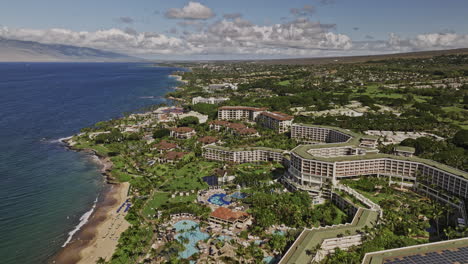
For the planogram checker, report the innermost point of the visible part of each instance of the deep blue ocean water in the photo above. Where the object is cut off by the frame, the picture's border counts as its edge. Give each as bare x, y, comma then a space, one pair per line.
45, 189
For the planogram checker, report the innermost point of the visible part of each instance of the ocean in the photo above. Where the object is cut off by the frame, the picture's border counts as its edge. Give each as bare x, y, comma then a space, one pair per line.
44, 188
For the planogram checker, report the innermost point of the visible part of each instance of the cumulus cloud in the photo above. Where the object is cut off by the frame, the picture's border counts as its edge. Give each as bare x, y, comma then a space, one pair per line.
125, 20
193, 10
128, 41
238, 37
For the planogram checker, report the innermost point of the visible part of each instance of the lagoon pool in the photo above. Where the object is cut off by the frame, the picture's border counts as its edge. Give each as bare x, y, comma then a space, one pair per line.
218, 199
190, 232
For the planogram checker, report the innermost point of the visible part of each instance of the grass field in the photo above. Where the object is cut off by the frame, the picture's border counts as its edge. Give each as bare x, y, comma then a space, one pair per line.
159, 199
189, 177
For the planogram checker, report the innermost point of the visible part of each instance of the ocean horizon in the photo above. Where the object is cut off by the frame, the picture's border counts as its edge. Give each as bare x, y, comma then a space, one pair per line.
47, 190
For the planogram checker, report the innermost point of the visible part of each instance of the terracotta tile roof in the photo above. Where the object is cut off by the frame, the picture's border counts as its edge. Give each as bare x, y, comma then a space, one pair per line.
277, 116
219, 123
228, 215
246, 131
174, 155
182, 129
164, 145
242, 108
208, 140
236, 126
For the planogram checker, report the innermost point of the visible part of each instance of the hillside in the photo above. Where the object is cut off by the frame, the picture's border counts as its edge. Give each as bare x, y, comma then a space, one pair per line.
30, 51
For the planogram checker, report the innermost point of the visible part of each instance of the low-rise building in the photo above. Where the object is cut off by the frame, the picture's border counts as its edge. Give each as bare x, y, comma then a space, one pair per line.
183, 132
164, 146
209, 100
223, 215
404, 151
208, 140
172, 157
277, 121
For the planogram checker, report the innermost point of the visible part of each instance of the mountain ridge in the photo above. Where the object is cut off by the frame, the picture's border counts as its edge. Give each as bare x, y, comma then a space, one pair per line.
30, 51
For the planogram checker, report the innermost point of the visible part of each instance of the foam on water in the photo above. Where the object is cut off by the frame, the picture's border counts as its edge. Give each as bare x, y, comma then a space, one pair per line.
83, 220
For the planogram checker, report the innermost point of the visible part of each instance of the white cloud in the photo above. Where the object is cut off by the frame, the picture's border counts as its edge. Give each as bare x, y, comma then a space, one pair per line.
129, 41
237, 37
193, 10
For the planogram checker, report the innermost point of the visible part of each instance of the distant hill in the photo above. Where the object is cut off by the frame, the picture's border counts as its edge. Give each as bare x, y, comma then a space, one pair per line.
357, 59
30, 51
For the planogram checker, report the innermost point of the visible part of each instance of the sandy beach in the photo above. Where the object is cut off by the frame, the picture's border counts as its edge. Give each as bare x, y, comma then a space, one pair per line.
99, 236
107, 233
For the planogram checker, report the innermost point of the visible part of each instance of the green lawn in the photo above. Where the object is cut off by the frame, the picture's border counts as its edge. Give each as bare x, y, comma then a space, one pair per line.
285, 83
189, 177
159, 199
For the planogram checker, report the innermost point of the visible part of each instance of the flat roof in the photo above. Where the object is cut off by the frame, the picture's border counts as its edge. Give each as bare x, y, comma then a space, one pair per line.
405, 148
301, 151
245, 149
310, 238
380, 257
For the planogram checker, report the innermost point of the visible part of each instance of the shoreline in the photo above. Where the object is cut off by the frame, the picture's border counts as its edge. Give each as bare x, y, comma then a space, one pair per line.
99, 236
92, 240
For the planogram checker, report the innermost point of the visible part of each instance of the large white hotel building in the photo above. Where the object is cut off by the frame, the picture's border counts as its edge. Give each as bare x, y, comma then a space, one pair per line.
341, 154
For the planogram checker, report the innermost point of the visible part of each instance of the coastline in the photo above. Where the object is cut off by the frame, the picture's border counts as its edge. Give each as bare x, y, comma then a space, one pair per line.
99, 236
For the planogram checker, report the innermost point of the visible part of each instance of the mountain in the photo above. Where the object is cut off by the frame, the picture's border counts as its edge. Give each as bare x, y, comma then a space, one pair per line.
30, 51
369, 58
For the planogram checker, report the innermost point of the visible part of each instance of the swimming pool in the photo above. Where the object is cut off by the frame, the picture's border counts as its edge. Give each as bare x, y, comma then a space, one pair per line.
238, 195
218, 199
189, 231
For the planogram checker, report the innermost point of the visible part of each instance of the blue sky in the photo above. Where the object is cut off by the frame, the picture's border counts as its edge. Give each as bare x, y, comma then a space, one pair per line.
317, 28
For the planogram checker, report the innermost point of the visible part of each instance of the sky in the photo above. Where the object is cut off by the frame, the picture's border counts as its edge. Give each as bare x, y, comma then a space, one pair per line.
240, 29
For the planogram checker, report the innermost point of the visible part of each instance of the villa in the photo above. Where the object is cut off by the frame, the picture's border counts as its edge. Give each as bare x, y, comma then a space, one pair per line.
208, 140
183, 132
165, 146
172, 157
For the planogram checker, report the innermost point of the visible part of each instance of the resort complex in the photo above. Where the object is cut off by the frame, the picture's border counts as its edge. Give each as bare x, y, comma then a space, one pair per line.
258, 174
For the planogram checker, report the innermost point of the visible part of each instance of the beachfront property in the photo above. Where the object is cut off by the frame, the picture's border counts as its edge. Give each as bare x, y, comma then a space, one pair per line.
277, 121
243, 155
450, 251
223, 215
183, 132
239, 113
209, 100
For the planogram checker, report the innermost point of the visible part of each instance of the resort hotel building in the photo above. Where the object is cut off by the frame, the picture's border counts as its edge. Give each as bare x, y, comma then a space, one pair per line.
239, 113
275, 120
340, 154
244, 155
